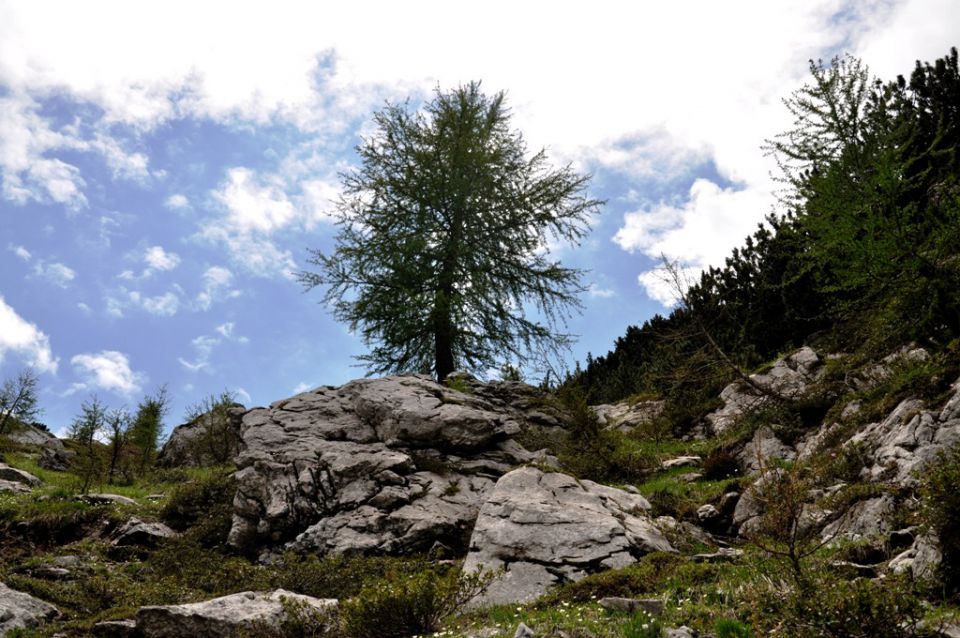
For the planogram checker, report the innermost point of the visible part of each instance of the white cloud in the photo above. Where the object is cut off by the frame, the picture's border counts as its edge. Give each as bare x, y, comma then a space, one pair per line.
118, 301
225, 329
164, 305
20, 252
216, 287
193, 366
26, 141
159, 259
29, 143
303, 386
203, 347
698, 234
106, 370
243, 396
646, 89
56, 273
603, 293
177, 201
25, 340
254, 208
84, 308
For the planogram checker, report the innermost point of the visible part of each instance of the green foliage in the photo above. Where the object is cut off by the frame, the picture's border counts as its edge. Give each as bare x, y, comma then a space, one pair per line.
204, 506
653, 573
642, 626
216, 440
336, 576
89, 464
835, 608
941, 512
720, 464
595, 453
439, 258
18, 400
409, 603
729, 628
863, 254
144, 432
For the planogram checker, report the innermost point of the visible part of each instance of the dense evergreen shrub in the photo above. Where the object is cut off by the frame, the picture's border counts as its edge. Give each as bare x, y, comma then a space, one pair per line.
941, 511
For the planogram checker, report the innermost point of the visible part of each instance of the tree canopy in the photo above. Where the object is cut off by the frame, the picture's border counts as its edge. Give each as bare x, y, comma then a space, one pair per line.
441, 261
864, 250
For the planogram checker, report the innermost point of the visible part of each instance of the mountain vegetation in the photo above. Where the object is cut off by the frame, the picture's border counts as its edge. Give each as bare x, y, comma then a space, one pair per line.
777, 456
863, 256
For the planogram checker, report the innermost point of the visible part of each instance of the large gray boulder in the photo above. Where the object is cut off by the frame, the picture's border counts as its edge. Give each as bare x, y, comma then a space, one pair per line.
385, 465
762, 450
626, 416
19, 610
14, 475
788, 378
28, 434
210, 439
909, 438
227, 616
542, 529
137, 533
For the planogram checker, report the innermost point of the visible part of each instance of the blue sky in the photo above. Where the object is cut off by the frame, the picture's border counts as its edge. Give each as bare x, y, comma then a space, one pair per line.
164, 167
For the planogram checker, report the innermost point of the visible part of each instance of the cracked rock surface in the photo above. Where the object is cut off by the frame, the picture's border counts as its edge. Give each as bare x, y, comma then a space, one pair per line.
384, 465
19, 610
246, 613
542, 529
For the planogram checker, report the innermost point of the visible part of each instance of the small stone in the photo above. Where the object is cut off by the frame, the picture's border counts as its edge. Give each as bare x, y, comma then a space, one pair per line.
682, 461
108, 499
690, 477
523, 632
722, 555
140, 534
653, 606
707, 512
115, 629
680, 632
51, 573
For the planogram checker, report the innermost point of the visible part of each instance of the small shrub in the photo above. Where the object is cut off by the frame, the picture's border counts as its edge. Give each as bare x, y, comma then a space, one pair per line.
406, 604
333, 576
720, 464
642, 626
645, 577
834, 608
845, 464
666, 502
941, 512
728, 628
204, 506
458, 384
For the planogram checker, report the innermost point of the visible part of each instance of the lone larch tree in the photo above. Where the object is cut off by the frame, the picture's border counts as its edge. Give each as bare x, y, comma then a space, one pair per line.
441, 261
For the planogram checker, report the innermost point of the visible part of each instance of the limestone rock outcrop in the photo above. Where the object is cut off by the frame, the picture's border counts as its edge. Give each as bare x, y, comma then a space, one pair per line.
204, 441
386, 465
14, 475
226, 616
626, 416
19, 610
788, 377
542, 529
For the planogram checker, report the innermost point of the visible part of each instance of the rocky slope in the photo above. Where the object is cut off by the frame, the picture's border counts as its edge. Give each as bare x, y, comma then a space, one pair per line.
403, 465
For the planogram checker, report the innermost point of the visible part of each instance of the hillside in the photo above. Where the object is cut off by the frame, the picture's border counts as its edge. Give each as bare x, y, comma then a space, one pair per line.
778, 456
